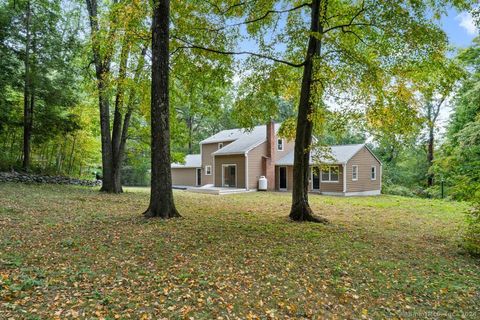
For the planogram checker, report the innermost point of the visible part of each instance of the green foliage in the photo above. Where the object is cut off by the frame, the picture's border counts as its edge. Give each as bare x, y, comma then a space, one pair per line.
471, 238
459, 158
59, 123
397, 190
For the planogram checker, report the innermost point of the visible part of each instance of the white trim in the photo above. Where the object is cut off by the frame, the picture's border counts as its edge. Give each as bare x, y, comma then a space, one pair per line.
286, 178
283, 145
344, 166
206, 170
374, 171
227, 153
185, 167
246, 171
356, 172
236, 175
216, 141
363, 193
353, 194
253, 146
330, 174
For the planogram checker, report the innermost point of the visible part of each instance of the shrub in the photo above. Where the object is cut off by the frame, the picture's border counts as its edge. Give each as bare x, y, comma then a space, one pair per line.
398, 190
471, 238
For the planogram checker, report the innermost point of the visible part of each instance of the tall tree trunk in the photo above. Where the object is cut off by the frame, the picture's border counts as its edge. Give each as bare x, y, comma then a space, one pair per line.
26, 94
70, 165
161, 194
118, 119
102, 68
431, 140
301, 210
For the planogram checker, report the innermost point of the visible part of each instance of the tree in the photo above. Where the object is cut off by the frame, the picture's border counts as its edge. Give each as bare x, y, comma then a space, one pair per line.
124, 22
437, 82
38, 35
458, 160
358, 51
161, 195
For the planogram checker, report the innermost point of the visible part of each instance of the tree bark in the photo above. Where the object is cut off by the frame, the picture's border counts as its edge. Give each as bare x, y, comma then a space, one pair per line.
26, 95
430, 156
161, 195
102, 68
300, 210
118, 119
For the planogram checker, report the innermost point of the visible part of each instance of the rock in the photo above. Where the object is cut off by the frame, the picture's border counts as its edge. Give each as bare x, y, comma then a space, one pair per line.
42, 179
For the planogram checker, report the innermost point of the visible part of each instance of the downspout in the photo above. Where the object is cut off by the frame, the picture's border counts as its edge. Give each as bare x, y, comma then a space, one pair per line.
344, 178
246, 170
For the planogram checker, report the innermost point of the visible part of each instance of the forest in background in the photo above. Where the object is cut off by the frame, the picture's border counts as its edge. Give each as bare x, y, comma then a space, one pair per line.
46, 70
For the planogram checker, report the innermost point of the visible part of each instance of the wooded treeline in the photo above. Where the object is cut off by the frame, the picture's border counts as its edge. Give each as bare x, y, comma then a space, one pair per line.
75, 86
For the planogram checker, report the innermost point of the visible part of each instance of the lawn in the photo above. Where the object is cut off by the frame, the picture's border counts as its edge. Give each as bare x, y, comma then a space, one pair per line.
71, 252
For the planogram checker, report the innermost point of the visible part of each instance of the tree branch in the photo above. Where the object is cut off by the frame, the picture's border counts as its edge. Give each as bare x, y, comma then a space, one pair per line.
259, 55
351, 22
265, 15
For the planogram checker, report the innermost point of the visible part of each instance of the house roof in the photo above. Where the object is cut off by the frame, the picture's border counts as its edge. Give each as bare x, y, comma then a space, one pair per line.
243, 140
224, 135
191, 161
338, 154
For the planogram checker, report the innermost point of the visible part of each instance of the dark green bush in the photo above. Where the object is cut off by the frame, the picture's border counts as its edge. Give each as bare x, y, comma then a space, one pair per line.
471, 238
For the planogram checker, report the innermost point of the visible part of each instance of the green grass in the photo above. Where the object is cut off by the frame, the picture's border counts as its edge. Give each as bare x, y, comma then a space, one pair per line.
70, 252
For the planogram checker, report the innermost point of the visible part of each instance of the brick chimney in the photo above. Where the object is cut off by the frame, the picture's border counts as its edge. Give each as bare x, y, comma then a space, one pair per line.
269, 167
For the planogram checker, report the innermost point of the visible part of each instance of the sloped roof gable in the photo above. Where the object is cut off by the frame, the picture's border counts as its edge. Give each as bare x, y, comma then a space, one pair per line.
338, 154
191, 161
246, 140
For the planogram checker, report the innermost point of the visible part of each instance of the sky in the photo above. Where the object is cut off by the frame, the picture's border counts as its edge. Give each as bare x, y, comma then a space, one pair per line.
461, 31
459, 27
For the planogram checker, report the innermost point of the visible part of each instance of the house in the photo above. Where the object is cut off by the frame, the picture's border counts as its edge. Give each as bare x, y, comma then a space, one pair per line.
237, 158
188, 173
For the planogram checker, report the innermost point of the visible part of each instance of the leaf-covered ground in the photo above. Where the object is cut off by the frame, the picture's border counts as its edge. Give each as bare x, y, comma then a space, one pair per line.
70, 252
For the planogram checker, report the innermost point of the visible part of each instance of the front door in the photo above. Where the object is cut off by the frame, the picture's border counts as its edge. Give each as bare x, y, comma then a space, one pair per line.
199, 177
229, 175
283, 178
315, 178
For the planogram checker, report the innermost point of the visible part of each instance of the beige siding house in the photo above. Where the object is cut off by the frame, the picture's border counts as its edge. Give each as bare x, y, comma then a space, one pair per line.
343, 170
238, 158
187, 174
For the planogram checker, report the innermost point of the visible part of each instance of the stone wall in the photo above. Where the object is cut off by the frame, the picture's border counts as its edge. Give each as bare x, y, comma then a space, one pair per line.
36, 178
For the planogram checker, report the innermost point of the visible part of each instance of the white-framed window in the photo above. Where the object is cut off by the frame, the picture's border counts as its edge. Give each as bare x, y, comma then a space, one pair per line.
220, 145
208, 170
373, 174
329, 174
279, 144
354, 173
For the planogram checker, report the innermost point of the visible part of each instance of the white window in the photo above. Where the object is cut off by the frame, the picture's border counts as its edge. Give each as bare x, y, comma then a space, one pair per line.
220, 145
208, 170
279, 144
354, 173
329, 174
374, 173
